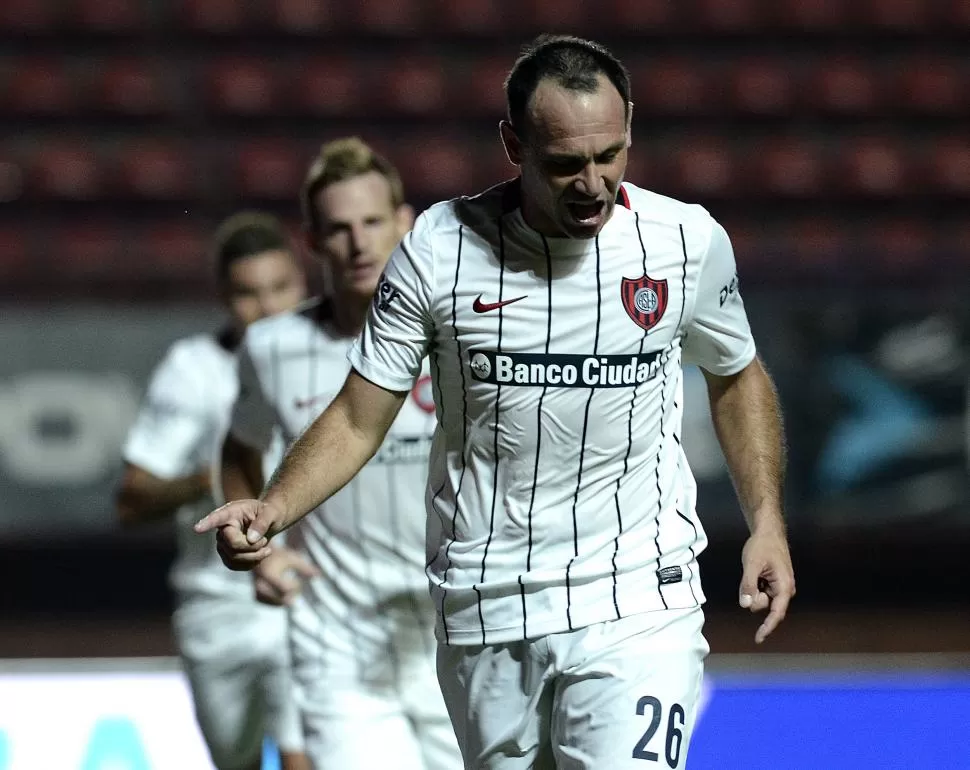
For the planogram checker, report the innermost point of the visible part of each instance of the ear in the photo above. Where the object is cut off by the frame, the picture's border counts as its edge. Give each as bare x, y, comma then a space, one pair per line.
404, 217
629, 124
511, 142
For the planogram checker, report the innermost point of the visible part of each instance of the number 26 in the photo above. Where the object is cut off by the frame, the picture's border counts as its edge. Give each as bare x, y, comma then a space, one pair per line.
675, 737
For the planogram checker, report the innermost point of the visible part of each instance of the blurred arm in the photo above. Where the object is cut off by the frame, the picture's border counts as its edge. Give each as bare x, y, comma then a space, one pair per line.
242, 470
143, 497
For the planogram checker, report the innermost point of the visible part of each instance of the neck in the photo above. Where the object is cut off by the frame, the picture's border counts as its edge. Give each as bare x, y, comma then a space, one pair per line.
349, 313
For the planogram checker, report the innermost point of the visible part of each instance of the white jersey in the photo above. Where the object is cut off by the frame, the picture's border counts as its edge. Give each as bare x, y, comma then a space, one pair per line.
557, 474
368, 539
177, 433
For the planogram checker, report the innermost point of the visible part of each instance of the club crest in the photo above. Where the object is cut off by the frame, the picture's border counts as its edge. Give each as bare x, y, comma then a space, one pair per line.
644, 300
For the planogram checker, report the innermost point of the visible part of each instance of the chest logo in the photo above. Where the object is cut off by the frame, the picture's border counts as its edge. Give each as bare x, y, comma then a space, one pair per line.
484, 307
644, 300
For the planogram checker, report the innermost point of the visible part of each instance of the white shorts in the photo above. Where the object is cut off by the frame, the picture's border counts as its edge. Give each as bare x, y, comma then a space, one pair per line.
616, 695
366, 687
236, 658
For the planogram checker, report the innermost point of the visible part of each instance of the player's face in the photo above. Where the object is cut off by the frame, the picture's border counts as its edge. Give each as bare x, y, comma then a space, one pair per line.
262, 285
571, 158
360, 227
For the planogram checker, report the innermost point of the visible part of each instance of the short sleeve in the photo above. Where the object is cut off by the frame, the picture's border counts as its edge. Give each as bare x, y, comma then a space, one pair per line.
399, 325
253, 416
718, 337
173, 422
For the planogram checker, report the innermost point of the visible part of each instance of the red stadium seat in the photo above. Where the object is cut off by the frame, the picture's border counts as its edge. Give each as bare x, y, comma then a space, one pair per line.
901, 15
729, 15
845, 86
790, 168
174, 249
437, 167
958, 13
304, 17
873, 166
269, 170
133, 87
558, 16
813, 244
214, 16
326, 86
933, 86
643, 15
813, 14
703, 167
398, 17
68, 170
157, 171
673, 87
86, 249
899, 246
413, 85
949, 167
478, 88
763, 87
14, 251
40, 87
112, 15
240, 86
31, 15
471, 16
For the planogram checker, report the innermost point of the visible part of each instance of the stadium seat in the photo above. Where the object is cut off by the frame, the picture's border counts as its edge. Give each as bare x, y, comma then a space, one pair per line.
813, 244
899, 246
14, 251
789, 167
763, 87
729, 15
214, 16
873, 166
31, 15
843, 85
813, 14
269, 170
949, 167
437, 167
411, 85
325, 86
395, 17
643, 15
85, 249
115, 16
672, 87
66, 170
133, 87
896, 15
172, 248
958, 13
933, 86
155, 170
11, 177
240, 86
479, 17
558, 16
477, 88
304, 17
702, 167
40, 87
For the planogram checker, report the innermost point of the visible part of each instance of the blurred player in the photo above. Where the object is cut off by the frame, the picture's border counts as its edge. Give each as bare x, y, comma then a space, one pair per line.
233, 648
362, 632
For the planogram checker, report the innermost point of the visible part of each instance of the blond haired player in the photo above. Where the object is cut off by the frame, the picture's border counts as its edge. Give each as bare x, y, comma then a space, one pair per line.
233, 649
362, 631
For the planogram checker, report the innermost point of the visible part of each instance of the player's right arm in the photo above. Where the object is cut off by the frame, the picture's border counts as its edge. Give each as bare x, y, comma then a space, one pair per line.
163, 442
386, 360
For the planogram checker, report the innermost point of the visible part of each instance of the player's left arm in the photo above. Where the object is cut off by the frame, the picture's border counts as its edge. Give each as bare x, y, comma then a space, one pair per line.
748, 422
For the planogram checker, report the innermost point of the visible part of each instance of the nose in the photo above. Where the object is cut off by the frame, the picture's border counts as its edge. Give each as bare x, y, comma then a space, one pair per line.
590, 182
358, 239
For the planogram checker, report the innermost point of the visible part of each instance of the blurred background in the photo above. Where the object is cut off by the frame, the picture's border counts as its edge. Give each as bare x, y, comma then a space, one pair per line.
829, 136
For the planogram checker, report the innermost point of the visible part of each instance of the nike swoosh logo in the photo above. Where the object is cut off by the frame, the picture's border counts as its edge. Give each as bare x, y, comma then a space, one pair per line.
484, 307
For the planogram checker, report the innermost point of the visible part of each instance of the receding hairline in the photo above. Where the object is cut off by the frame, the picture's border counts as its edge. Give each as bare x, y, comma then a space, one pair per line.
552, 81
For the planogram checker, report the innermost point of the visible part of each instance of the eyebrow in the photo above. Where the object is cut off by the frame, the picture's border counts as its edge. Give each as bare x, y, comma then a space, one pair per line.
557, 157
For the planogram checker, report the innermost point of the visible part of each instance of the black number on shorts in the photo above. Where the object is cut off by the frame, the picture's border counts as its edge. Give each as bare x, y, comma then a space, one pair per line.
675, 736
640, 750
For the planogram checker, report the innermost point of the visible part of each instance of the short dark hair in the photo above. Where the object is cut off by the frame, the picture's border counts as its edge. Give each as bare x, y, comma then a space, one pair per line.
574, 63
247, 234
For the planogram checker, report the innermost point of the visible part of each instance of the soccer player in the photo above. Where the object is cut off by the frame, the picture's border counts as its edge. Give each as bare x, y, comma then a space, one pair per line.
558, 310
233, 648
362, 632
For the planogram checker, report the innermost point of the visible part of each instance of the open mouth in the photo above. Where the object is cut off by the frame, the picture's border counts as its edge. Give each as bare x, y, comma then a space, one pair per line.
586, 213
